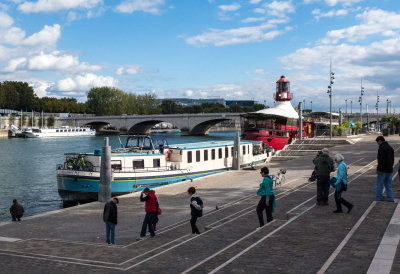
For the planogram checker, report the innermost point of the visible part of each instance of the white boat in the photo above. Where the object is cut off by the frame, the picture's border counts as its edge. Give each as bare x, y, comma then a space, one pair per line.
64, 131
148, 161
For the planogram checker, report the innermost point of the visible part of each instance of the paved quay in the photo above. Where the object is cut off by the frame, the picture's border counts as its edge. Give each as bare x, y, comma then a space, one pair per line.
303, 238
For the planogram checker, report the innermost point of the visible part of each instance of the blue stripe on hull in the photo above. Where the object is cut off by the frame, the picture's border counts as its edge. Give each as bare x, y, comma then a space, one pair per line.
126, 185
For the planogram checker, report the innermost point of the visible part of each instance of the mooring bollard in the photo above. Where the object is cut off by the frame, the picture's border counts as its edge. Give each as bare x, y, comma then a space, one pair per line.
105, 173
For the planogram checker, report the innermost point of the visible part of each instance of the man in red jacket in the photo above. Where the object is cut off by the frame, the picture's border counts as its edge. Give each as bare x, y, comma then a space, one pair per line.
151, 211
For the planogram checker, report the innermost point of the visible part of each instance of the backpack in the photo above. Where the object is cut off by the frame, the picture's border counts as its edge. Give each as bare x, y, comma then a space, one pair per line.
199, 202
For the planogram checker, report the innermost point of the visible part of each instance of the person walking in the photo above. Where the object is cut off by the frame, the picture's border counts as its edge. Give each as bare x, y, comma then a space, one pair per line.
110, 217
151, 206
267, 200
323, 168
384, 169
196, 209
340, 184
16, 210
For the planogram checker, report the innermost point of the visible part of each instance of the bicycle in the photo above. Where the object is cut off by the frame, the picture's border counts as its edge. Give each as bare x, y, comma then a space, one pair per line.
79, 163
280, 178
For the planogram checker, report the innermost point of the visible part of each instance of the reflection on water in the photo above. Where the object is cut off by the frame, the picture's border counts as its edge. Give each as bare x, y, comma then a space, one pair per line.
28, 167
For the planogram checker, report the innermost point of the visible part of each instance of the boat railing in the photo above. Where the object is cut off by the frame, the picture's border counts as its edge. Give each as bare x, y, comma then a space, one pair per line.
121, 170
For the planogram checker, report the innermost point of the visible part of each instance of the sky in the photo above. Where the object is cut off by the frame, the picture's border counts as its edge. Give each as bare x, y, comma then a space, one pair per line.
206, 48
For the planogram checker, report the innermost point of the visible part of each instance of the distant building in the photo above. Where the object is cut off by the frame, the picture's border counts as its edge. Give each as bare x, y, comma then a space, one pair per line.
187, 102
242, 103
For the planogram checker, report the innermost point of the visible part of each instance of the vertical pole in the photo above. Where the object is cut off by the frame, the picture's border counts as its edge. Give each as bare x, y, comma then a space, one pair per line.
367, 119
300, 121
21, 119
236, 152
340, 116
105, 173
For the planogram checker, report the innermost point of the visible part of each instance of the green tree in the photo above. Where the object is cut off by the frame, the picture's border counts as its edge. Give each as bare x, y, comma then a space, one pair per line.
235, 108
50, 121
105, 101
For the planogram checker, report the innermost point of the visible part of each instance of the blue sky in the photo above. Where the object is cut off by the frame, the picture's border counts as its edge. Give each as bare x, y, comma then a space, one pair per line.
205, 48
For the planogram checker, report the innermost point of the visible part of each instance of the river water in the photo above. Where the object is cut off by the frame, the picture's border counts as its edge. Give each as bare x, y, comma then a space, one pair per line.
28, 167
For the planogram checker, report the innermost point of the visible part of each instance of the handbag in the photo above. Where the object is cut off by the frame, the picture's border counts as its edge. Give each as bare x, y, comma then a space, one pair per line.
343, 186
159, 211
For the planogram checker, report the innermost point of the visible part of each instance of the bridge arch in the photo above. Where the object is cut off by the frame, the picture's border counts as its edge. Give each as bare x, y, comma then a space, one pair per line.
204, 127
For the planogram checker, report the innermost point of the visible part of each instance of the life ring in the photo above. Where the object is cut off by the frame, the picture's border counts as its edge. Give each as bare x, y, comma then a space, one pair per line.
167, 153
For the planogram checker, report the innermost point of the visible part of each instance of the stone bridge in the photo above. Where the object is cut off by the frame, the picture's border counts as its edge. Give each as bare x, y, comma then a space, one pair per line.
189, 124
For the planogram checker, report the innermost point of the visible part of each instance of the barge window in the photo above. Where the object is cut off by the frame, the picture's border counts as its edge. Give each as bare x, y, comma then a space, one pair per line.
220, 153
116, 164
197, 155
248, 149
213, 154
226, 152
232, 151
206, 155
244, 150
189, 156
57, 130
156, 162
138, 164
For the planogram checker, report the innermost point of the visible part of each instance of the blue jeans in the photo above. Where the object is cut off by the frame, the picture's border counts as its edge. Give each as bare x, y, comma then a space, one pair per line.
384, 179
148, 222
110, 231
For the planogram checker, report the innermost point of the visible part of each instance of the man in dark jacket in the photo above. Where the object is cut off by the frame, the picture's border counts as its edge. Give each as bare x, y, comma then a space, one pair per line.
16, 210
151, 208
384, 170
110, 217
323, 168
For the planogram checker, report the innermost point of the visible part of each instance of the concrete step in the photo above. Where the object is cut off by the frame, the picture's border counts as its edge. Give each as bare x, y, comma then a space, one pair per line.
282, 158
308, 146
298, 152
324, 141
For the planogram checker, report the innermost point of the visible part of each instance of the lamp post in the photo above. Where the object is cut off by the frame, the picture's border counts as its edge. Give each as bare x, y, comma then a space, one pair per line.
311, 105
360, 100
304, 103
331, 77
351, 106
377, 110
387, 106
346, 106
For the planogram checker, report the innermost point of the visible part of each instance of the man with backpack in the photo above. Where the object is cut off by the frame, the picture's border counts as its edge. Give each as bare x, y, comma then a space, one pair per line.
196, 209
323, 168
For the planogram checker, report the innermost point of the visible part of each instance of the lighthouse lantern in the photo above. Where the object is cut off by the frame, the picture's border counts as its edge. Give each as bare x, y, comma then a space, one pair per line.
283, 90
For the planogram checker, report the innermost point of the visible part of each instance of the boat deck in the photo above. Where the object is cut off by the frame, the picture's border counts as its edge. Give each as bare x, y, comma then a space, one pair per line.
303, 238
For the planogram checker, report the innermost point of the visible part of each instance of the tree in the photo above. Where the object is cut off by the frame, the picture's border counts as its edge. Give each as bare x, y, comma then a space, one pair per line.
105, 101
50, 121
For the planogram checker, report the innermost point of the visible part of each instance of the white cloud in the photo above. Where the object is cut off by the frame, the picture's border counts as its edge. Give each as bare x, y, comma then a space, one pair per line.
373, 22
259, 11
332, 13
57, 5
130, 70
254, 1
231, 7
84, 82
189, 93
377, 63
150, 6
253, 19
279, 8
48, 36
259, 72
218, 37
344, 2
5, 20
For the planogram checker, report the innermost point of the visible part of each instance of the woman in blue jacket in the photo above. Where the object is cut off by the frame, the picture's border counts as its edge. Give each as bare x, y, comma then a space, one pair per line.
267, 200
341, 177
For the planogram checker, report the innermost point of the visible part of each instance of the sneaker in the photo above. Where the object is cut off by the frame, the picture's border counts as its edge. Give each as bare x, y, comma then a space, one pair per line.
140, 238
338, 211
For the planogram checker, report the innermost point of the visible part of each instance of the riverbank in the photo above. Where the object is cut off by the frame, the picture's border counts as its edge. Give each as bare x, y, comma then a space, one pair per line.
303, 238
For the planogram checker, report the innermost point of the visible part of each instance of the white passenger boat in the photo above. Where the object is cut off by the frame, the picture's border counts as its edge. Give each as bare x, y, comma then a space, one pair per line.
148, 161
64, 131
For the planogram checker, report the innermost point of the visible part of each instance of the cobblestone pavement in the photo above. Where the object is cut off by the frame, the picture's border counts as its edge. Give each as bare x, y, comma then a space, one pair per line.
303, 238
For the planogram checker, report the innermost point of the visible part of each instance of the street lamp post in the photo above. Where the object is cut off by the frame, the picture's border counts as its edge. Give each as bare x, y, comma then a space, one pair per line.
311, 105
377, 111
351, 106
387, 106
331, 77
346, 105
360, 100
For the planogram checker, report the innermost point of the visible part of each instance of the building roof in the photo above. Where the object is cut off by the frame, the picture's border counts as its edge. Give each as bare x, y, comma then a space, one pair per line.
282, 108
